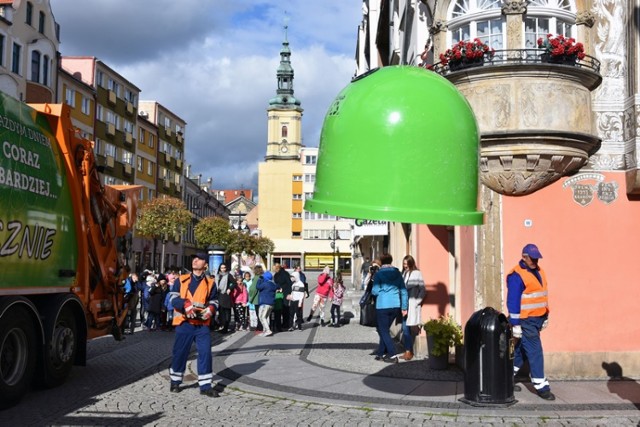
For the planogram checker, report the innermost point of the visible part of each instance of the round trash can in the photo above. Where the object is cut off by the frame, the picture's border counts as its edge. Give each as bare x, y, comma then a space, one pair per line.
488, 373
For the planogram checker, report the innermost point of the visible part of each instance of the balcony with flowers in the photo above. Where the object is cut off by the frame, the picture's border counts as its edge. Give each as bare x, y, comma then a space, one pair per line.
533, 108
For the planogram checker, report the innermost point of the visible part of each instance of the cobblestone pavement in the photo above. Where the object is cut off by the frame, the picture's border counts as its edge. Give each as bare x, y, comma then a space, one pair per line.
318, 377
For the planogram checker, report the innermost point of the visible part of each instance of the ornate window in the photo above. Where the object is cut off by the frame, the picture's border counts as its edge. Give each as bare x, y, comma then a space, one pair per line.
483, 19
547, 16
477, 18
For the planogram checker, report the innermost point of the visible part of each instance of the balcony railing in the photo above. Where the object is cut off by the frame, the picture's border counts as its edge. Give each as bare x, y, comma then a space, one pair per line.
515, 56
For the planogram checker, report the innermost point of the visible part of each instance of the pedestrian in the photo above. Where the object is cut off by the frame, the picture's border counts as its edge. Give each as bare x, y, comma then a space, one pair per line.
276, 318
283, 280
364, 271
296, 301
193, 297
325, 283
337, 294
169, 307
254, 299
414, 283
131, 300
225, 283
252, 317
368, 300
156, 301
239, 297
267, 298
303, 279
391, 303
150, 283
528, 307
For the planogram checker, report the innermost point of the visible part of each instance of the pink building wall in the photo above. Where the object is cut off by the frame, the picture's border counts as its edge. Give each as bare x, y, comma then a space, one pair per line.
591, 259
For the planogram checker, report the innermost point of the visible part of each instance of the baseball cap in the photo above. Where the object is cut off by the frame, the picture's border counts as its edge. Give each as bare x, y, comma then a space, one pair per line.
202, 255
532, 251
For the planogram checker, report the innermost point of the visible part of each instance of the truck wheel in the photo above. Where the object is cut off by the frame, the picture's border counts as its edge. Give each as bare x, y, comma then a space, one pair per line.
60, 348
17, 356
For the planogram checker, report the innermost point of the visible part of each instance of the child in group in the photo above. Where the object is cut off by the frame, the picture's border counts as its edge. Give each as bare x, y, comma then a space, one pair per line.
337, 294
325, 283
276, 323
296, 300
252, 314
239, 297
266, 301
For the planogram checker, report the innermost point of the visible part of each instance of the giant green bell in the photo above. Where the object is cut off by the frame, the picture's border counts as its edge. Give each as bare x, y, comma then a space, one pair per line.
399, 143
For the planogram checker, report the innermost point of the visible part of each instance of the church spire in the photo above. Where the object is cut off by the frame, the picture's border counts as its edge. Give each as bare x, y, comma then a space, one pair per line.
284, 94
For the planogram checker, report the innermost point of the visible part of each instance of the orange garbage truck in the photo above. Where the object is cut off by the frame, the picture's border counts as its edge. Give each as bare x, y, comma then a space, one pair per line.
63, 238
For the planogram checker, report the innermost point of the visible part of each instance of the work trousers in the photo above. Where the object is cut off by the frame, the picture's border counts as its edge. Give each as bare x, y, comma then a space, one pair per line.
530, 347
186, 334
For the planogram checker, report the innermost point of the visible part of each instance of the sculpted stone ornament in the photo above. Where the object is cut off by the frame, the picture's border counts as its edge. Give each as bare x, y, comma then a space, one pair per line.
586, 18
438, 26
514, 7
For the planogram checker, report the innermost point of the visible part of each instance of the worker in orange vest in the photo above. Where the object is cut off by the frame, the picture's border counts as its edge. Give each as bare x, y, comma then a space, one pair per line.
528, 305
194, 300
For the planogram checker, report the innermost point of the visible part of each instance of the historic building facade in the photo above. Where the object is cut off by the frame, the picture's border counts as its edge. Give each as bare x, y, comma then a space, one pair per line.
558, 163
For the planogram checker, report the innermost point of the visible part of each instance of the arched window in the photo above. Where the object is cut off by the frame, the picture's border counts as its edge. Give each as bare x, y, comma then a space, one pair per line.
483, 19
285, 132
35, 66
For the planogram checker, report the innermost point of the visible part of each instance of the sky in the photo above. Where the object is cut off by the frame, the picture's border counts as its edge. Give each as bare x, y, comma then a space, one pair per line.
213, 63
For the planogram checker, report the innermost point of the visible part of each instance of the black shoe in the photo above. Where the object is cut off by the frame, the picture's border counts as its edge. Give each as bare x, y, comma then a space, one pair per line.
546, 395
209, 392
175, 388
379, 358
309, 318
322, 323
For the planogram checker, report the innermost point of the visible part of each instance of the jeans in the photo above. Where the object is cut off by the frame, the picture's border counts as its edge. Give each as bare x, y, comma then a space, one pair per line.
407, 337
385, 317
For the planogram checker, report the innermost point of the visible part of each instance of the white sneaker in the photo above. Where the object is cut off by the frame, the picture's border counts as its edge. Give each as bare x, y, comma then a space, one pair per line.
268, 334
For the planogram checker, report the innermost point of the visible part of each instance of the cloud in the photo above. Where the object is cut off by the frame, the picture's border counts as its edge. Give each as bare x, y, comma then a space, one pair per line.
213, 63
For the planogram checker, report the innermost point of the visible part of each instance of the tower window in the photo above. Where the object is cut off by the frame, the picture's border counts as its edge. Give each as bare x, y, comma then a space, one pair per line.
285, 132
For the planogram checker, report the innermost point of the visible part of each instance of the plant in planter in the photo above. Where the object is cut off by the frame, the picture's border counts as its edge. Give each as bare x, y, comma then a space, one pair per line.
560, 49
466, 54
442, 333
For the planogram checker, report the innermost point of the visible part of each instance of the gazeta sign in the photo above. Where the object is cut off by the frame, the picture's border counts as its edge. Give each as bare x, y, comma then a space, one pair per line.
369, 227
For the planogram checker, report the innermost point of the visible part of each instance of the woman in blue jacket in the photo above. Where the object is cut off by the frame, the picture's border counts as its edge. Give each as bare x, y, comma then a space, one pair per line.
266, 299
391, 303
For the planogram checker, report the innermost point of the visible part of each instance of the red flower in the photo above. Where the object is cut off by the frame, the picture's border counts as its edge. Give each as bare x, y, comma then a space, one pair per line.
465, 50
560, 46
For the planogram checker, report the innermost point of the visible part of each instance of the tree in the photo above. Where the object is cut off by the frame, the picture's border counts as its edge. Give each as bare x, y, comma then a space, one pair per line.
215, 231
162, 218
264, 246
212, 230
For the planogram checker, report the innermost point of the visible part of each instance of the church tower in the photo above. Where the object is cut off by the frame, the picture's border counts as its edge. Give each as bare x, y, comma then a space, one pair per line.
284, 123
280, 176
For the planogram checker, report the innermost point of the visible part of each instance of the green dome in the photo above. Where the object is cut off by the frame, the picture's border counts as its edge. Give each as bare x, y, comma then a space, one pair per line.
401, 144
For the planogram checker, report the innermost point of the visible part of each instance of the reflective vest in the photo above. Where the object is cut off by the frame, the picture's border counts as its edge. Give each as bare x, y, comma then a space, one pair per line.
534, 301
200, 300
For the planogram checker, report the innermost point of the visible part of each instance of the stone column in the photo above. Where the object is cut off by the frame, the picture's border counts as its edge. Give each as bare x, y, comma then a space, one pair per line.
514, 10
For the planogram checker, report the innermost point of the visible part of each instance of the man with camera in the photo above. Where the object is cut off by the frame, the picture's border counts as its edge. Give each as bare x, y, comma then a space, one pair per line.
194, 300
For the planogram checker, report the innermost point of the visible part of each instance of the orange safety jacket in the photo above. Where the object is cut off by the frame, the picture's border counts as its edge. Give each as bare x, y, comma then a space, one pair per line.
534, 301
199, 300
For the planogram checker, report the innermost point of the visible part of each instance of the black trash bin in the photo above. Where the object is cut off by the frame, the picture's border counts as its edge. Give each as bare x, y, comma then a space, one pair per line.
488, 371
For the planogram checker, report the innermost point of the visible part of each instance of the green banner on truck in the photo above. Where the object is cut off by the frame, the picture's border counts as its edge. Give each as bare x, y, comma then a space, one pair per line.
37, 216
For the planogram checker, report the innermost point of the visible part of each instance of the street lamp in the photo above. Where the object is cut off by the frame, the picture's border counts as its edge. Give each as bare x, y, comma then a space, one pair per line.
333, 235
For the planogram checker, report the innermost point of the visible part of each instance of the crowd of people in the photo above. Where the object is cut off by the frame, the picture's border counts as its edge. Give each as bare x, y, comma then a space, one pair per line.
255, 300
